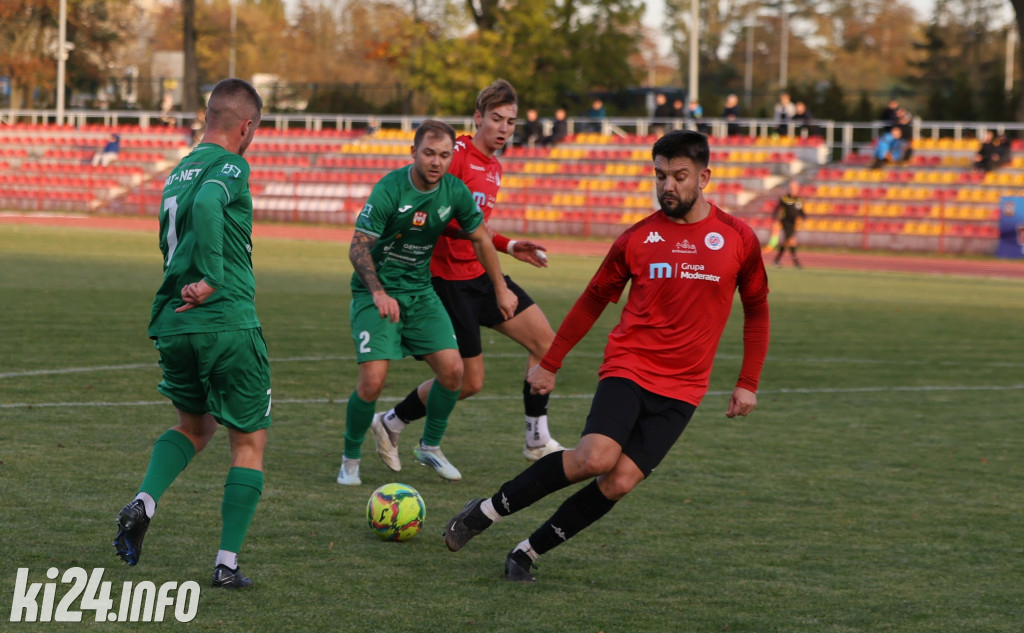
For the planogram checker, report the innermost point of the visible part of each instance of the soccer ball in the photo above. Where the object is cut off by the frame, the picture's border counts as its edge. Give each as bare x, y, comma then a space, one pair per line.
395, 512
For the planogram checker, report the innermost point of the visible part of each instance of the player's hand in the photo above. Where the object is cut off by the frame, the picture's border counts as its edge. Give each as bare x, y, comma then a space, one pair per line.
541, 380
530, 252
386, 306
195, 294
507, 303
741, 402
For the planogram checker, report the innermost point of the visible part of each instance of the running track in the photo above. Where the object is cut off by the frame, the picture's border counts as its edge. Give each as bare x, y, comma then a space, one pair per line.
851, 261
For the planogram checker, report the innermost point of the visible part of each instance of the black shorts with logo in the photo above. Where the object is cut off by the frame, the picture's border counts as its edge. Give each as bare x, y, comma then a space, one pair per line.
645, 424
471, 303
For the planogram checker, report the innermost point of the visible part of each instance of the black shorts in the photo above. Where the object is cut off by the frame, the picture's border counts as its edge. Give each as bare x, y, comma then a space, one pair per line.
472, 303
645, 424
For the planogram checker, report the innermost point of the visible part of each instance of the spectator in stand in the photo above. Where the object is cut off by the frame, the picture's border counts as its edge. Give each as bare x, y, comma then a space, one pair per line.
678, 109
731, 114
532, 131
803, 120
905, 122
694, 112
890, 114
1004, 149
993, 152
596, 114
559, 129
109, 153
889, 149
662, 111
784, 111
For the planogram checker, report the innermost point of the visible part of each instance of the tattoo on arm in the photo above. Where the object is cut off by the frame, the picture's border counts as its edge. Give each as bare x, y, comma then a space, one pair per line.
362, 260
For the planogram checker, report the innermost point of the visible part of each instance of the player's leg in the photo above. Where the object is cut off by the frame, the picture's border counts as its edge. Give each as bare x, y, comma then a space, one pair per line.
428, 333
359, 416
576, 513
240, 400
243, 487
377, 341
174, 449
531, 329
660, 422
444, 394
614, 410
463, 301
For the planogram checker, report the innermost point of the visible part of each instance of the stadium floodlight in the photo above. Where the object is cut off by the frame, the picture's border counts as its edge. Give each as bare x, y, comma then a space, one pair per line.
62, 57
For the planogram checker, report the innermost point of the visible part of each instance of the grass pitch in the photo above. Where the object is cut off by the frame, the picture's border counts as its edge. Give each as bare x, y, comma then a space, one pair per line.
878, 487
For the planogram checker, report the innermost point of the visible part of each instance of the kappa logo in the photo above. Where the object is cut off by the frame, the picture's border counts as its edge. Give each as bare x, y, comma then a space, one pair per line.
653, 237
403, 209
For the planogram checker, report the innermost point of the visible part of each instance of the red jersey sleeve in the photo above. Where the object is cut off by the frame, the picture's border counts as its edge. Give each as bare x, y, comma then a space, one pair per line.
753, 289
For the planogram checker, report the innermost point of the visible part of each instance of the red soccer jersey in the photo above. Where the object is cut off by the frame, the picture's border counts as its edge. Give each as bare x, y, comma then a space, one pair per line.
455, 259
684, 277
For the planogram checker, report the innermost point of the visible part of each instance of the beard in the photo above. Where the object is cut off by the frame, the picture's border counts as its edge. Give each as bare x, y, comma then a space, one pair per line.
679, 210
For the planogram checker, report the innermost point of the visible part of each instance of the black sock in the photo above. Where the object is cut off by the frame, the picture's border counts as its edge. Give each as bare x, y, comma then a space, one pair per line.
534, 404
412, 408
545, 476
575, 514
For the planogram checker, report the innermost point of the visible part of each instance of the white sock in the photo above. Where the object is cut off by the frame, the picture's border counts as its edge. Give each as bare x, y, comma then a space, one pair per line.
148, 502
537, 433
488, 509
526, 547
230, 559
394, 423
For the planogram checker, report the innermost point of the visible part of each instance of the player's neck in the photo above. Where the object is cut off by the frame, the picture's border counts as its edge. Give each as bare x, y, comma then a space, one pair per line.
478, 143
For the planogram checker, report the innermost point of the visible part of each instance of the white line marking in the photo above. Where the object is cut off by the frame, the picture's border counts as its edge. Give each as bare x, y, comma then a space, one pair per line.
572, 396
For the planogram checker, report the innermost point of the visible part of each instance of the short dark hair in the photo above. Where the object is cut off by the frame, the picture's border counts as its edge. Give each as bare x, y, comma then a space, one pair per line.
496, 95
685, 144
233, 98
433, 128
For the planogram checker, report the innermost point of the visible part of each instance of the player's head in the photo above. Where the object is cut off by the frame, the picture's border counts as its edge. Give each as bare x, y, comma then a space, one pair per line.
497, 107
794, 187
234, 111
432, 148
681, 171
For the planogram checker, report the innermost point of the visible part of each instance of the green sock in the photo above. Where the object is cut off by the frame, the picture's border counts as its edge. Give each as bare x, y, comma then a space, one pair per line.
440, 403
172, 452
242, 490
358, 416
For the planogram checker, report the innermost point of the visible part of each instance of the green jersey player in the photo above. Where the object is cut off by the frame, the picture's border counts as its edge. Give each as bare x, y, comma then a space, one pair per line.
395, 311
214, 360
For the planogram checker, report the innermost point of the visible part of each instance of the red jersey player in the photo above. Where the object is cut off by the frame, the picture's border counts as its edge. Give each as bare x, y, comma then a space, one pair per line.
467, 293
684, 263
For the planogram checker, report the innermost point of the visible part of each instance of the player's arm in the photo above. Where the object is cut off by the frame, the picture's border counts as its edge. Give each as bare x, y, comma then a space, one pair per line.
208, 227
523, 250
753, 288
606, 287
507, 300
359, 253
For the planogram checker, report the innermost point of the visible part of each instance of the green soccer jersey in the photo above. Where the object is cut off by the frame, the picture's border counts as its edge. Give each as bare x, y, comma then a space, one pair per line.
407, 223
206, 233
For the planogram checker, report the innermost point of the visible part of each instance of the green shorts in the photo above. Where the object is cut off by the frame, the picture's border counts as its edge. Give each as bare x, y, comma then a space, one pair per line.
424, 328
225, 374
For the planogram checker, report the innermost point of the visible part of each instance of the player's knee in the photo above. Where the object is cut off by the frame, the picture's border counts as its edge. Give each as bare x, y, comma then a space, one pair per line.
450, 376
584, 464
369, 390
471, 385
614, 487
